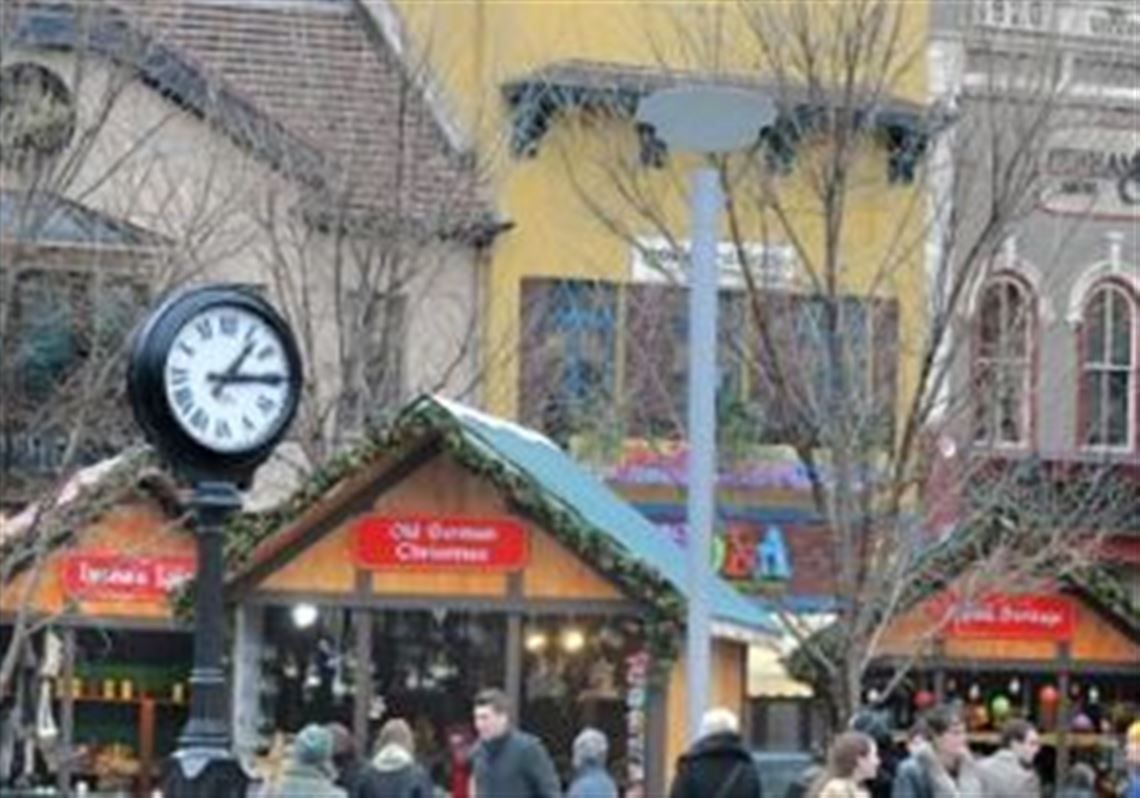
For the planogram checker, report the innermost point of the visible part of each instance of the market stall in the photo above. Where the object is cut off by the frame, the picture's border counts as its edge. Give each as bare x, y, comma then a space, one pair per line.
102, 689
458, 551
1064, 659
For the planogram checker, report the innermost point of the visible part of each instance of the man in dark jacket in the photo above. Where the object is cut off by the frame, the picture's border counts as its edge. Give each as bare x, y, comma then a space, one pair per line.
717, 765
508, 762
355, 776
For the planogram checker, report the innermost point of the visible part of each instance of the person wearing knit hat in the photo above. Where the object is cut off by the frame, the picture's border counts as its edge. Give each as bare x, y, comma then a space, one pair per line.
309, 772
1132, 760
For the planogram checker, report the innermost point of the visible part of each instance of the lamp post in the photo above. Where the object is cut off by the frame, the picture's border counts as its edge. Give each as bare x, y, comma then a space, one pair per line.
703, 120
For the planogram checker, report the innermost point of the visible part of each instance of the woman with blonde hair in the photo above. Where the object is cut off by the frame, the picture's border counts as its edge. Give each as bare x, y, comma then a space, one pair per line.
852, 760
400, 775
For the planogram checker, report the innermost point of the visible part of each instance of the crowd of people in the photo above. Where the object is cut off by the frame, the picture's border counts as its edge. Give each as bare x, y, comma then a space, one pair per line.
508, 763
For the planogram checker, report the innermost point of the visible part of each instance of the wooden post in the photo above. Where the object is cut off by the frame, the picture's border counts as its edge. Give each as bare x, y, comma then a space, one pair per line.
146, 743
513, 686
362, 695
513, 677
939, 670
1064, 658
67, 712
656, 727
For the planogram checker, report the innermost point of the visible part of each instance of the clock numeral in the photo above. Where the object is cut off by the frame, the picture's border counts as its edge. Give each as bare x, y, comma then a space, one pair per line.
205, 329
179, 376
245, 422
265, 404
229, 325
265, 352
184, 398
222, 430
200, 420
185, 347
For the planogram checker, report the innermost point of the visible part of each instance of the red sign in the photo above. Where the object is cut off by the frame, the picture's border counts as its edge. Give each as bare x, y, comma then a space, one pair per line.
115, 577
432, 542
1004, 617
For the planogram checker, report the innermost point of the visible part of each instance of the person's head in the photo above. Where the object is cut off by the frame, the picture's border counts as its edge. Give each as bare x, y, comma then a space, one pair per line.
853, 755
917, 736
947, 733
590, 748
873, 725
719, 721
396, 732
492, 713
1132, 745
1020, 737
1081, 777
344, 751
313, 746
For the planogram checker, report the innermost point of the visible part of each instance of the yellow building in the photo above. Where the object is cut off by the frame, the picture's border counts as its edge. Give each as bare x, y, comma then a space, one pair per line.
584, 314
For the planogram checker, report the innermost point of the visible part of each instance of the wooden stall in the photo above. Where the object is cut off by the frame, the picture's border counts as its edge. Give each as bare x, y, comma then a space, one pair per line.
107, 651
463, 552
1061, 658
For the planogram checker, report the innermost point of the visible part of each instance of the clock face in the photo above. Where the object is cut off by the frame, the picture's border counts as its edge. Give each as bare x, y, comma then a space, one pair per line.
227, 379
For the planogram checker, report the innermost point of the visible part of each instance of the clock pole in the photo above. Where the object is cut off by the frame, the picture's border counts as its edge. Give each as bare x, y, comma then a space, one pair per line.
204, 764
174, 398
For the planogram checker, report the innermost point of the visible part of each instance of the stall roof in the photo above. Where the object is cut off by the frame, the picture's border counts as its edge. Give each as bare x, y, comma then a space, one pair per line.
543, 482
581, 492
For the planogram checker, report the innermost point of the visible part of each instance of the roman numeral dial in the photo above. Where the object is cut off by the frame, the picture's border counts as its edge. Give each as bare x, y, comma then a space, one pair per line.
228, 379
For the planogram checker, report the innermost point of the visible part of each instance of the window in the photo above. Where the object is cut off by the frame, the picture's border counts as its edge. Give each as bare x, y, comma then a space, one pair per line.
1002, 366
568, 357
1108, 363
794, 382
606, 357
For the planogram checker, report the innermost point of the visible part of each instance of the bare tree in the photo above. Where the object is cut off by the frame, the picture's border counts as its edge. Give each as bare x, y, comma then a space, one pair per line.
840, 341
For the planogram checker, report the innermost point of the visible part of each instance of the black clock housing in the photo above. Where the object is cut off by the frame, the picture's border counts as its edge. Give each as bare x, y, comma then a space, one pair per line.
145, 383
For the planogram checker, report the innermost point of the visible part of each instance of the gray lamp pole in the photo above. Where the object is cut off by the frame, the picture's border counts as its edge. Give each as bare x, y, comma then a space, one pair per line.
706, 120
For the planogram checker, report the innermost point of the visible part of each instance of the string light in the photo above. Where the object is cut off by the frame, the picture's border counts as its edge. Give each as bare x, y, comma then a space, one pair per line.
304, 615
573, 640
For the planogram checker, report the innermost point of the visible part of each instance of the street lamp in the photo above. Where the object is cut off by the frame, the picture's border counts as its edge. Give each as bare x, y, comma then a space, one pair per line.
703, 120
214, 380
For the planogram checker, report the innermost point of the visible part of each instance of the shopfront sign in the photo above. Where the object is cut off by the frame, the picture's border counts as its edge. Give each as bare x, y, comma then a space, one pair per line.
1093, 171
1006, 617
431, 542
115, 577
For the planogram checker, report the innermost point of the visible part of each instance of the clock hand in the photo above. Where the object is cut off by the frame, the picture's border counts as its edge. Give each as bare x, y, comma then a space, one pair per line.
225, 378
232, 368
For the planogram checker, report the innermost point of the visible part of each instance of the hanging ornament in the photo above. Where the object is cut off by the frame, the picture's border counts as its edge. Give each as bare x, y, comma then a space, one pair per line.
975, 692
1015, 686
1049, 696
873, 696
951, 686
1000, 708
924, 699
1075, 690
312, 676
1082, 723
1094, 695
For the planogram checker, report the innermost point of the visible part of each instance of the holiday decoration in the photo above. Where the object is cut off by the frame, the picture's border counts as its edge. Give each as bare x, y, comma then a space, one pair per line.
924, 699
999, 708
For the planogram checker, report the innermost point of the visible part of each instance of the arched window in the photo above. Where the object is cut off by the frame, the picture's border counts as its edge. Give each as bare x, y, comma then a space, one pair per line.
1003, 364
1108, 364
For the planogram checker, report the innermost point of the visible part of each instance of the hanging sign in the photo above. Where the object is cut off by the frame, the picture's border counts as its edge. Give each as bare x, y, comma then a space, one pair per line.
1006, 617
115, 577
432, 542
